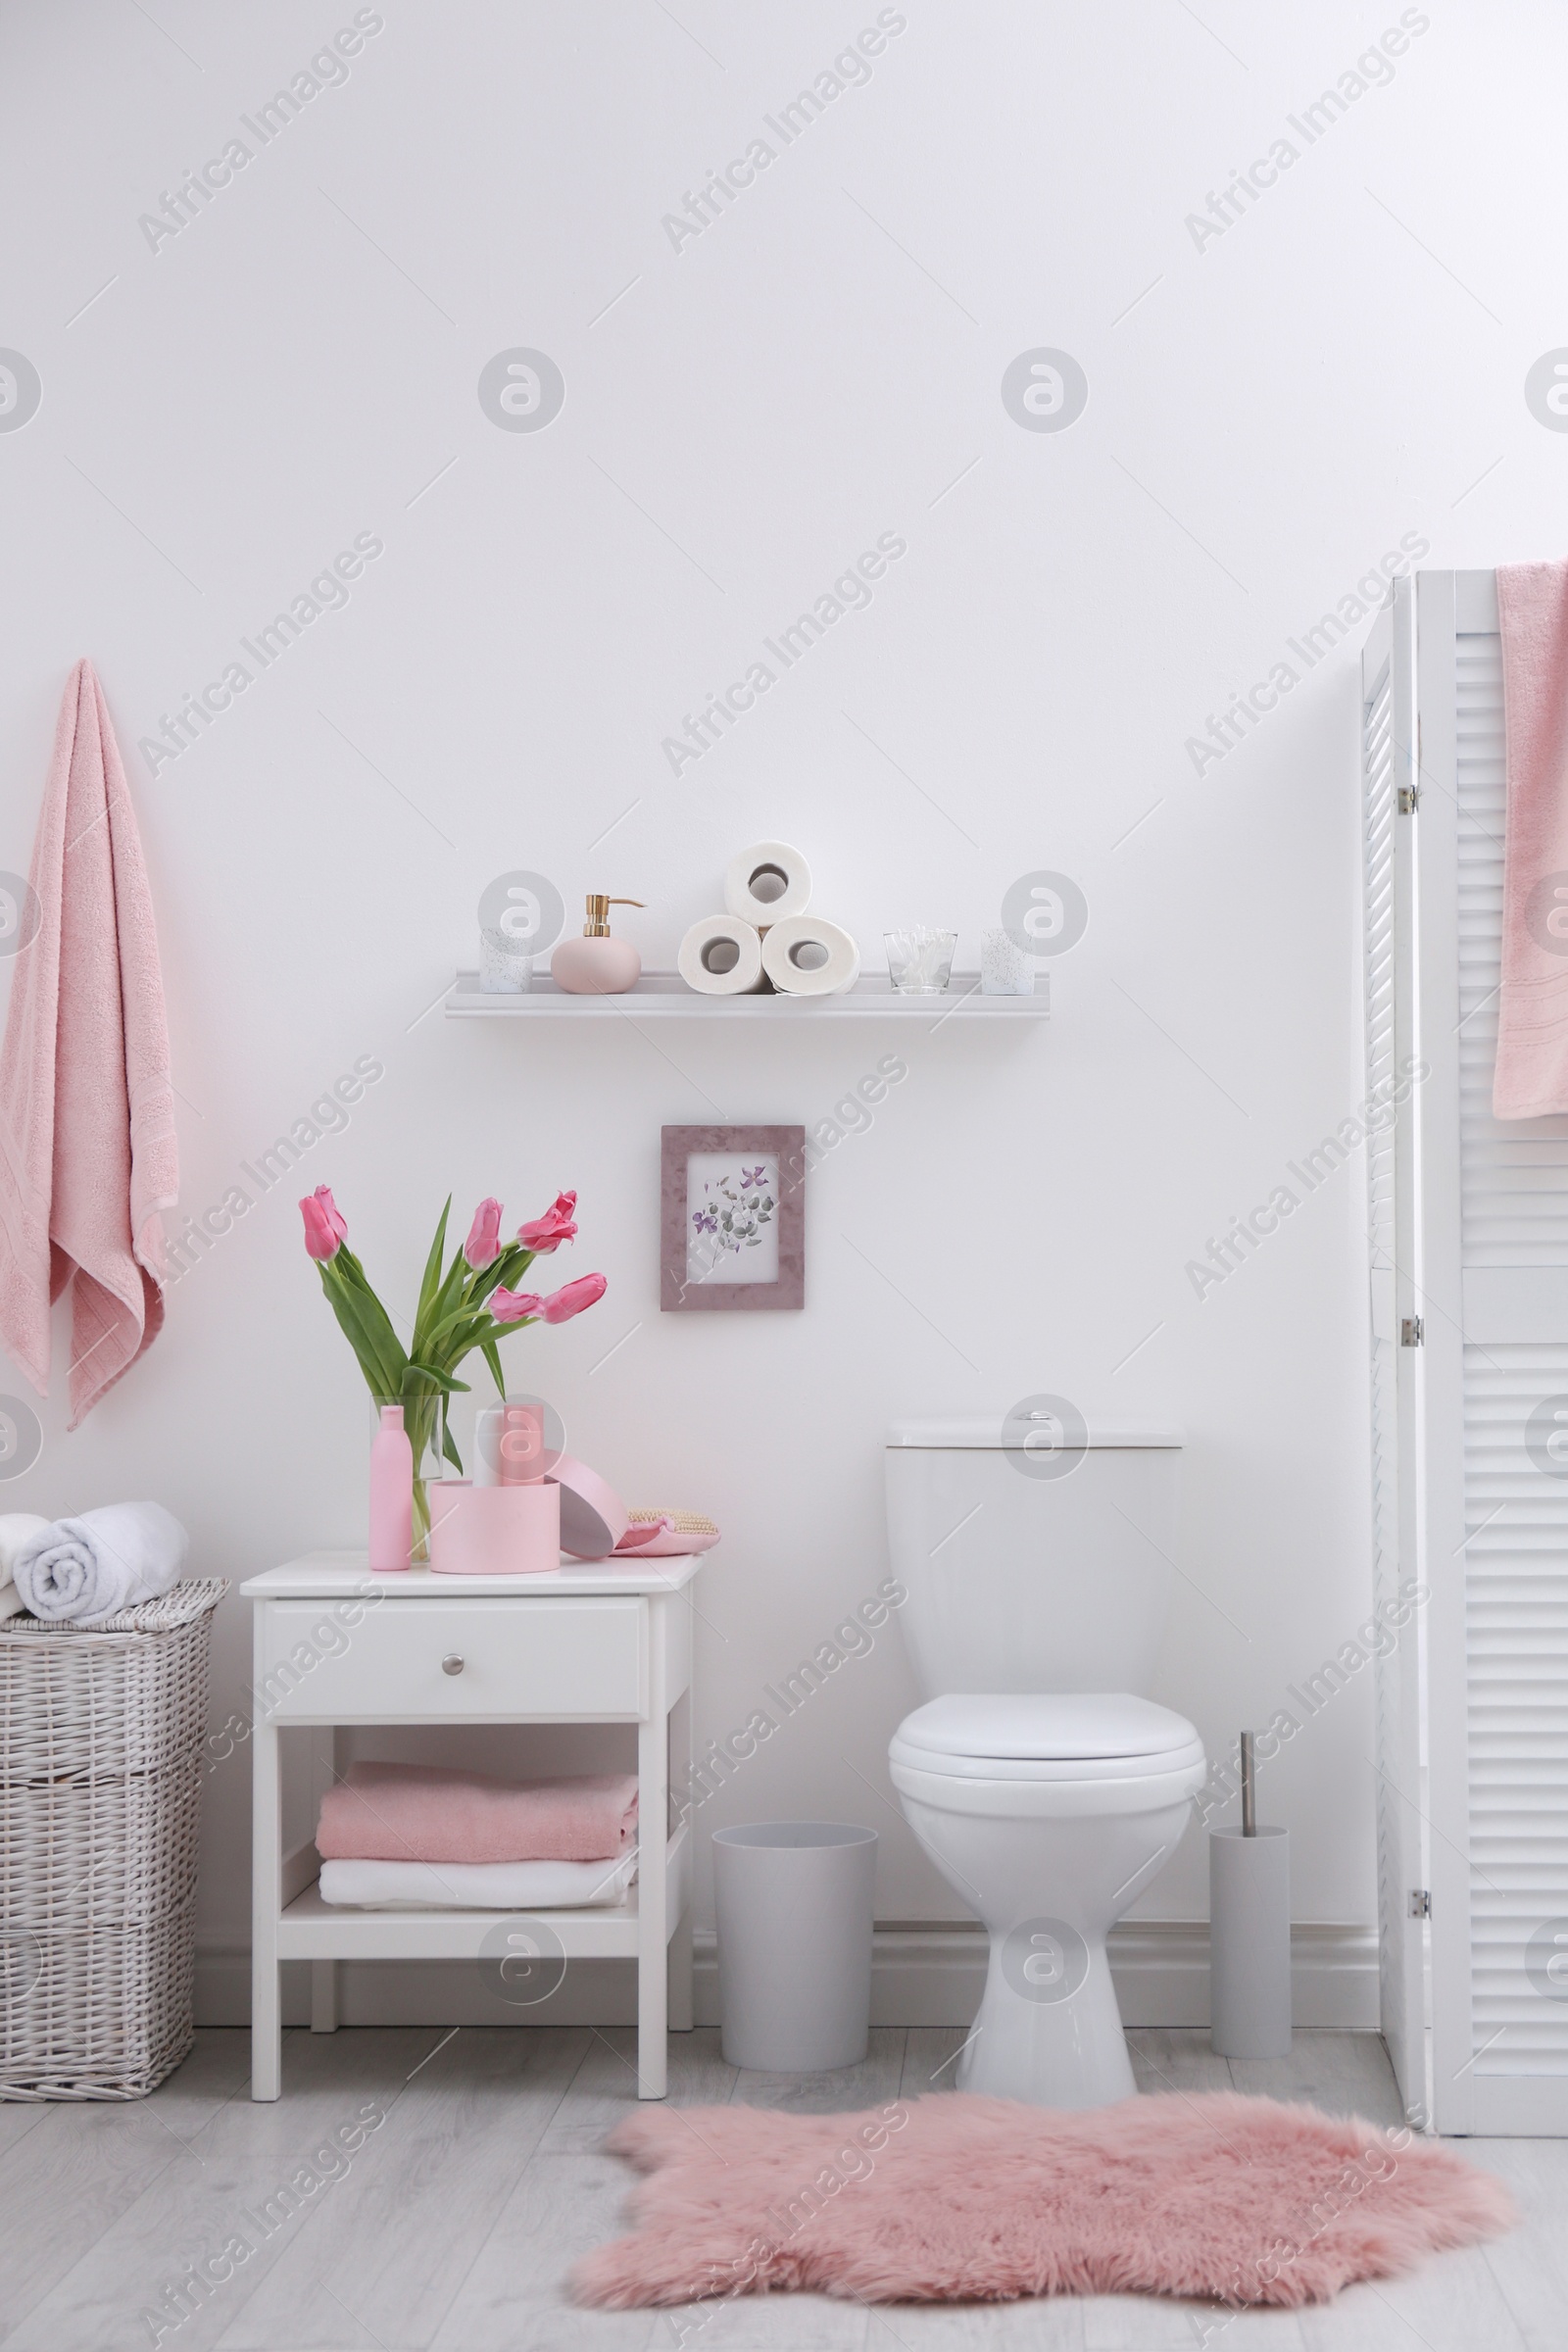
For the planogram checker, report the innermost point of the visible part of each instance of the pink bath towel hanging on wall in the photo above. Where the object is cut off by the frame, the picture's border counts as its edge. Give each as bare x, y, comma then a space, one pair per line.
88, 1160
1531, 1078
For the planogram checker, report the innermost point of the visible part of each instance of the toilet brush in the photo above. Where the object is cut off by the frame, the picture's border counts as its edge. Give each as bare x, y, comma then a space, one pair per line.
1249, 1931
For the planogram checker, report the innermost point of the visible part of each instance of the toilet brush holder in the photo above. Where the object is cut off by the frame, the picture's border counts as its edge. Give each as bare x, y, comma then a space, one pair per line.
1250, 1932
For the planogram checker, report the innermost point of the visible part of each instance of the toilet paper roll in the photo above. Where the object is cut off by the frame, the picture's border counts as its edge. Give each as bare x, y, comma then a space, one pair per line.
768, 882
804, 957
722, 956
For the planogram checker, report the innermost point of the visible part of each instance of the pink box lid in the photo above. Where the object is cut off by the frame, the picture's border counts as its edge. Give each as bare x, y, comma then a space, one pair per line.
593, 1517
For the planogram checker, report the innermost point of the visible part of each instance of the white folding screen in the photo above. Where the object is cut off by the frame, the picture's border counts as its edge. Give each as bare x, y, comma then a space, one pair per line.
1386, 736
1473, 1712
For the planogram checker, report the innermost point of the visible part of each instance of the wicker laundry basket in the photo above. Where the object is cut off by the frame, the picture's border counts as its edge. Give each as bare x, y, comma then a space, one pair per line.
101, 1773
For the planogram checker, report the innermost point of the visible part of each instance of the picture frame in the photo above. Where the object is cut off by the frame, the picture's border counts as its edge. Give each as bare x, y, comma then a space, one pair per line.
732, 1223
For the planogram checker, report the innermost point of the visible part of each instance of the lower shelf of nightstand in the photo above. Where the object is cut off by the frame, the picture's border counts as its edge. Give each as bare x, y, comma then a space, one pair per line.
311, 1930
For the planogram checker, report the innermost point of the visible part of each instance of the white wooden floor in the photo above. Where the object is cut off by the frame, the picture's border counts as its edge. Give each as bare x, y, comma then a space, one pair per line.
461, 2212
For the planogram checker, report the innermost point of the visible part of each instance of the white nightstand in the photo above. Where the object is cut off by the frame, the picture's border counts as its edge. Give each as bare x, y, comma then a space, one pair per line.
588, 1643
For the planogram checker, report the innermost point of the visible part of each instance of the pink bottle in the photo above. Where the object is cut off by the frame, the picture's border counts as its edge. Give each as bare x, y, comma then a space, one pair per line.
391, 1493
521, 1446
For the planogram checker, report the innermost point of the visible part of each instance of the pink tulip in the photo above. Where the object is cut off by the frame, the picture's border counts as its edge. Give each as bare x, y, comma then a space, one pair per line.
548, 1232
586, 1291
510, 1306
324, 1229
483, 1244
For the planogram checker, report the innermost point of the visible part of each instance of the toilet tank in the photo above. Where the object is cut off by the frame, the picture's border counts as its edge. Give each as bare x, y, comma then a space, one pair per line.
1037, 1554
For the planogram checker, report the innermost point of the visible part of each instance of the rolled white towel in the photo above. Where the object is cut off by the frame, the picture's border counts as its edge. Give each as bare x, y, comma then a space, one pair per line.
15, 1528
78, 1571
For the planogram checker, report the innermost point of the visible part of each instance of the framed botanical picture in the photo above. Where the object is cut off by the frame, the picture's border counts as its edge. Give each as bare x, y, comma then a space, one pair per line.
733, 1223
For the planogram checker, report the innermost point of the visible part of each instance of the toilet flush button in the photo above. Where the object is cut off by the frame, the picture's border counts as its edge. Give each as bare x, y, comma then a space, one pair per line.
1044, 1437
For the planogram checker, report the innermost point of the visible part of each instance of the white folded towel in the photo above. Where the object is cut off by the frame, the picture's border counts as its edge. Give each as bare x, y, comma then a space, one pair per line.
478, 1886
15, 1528
78, 1571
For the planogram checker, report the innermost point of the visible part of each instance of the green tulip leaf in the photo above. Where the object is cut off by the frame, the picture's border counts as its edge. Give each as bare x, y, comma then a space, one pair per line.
431, 1281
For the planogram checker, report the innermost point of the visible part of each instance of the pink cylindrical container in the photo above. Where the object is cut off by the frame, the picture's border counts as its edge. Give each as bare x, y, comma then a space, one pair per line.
520, 1445
494, 1530
510, 1445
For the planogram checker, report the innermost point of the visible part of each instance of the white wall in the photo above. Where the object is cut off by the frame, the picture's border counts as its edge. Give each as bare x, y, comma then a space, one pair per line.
1270, 410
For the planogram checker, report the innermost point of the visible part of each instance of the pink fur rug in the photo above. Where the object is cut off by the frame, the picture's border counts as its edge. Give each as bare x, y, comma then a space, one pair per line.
955, 2198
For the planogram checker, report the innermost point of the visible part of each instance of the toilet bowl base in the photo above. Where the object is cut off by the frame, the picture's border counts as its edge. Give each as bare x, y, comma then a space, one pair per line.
1049, 2030
1049, 1883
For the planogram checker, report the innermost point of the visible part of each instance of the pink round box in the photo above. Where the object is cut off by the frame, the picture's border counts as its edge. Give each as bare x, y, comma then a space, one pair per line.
494, 1530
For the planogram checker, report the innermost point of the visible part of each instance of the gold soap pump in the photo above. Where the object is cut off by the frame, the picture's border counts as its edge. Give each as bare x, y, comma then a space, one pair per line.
597, 965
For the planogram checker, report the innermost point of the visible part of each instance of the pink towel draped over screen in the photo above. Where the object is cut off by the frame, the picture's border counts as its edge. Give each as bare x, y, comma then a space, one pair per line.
1531, 1078
429, 1813
88, 1159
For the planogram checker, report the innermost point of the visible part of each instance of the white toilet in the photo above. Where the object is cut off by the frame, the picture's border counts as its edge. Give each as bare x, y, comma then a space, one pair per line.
1044, 1788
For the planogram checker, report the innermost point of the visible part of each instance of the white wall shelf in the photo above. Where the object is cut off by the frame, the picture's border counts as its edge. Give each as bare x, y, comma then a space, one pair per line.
665, 996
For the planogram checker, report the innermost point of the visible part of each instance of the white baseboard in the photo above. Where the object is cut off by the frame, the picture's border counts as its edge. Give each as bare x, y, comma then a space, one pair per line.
934, 1976
920, 1975
415, 1992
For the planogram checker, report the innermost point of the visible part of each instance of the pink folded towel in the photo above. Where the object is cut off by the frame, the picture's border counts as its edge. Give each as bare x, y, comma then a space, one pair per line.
428, 1813
1531, 1078
88, 1159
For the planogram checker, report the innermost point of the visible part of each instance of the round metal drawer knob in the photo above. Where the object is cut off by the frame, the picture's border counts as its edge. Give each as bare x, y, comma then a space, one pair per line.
451, 1664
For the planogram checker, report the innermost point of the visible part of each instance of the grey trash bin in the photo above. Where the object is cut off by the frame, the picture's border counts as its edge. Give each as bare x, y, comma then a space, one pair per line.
793, 1902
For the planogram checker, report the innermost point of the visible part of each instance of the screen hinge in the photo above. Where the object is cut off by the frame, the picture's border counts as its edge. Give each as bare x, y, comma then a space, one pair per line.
1412, 1332
1410, 799
1420, 1903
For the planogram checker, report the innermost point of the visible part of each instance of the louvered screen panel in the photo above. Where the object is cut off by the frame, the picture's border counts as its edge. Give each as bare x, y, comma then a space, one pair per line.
1379, 819
1514, 1208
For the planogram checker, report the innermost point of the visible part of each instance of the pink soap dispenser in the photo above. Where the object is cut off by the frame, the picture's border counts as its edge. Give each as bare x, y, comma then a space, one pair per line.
391, 1493
597, 965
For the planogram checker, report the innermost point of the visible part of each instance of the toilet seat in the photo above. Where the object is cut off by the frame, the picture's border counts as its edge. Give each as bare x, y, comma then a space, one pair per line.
1047, 1800
1060, 1735
1043, 1754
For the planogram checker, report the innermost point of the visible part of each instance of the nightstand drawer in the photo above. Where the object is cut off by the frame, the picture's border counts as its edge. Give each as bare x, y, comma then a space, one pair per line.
442, 1660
